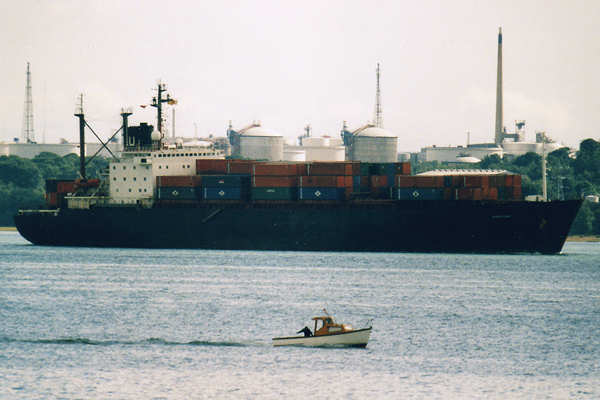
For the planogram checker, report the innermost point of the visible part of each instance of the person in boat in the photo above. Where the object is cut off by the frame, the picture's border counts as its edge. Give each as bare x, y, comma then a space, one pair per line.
306, 330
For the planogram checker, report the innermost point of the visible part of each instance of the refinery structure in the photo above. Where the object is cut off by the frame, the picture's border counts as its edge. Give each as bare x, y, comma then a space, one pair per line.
370, 142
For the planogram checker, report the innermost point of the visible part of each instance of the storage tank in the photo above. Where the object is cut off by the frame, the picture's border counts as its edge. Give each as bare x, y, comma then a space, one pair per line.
294, 155
315, 141
258, 143
326, 153
374, 144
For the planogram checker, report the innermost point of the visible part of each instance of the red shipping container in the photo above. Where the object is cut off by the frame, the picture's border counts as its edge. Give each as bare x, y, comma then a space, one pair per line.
429, 181
320, 181
240, 166
344, 181
406, 181
65, 187
211, 166
485, 181
473, 181
178, 181
477, 194
272, 169
405, 168
378, 181
274, 181
517, 193
301, 169
52, 199
508, 180
493, 194
330, 168
517, 180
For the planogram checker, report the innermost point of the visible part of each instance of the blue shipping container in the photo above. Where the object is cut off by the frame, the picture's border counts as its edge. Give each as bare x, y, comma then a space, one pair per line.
420, 194
176, 193
221, 193
213, 181
321, 193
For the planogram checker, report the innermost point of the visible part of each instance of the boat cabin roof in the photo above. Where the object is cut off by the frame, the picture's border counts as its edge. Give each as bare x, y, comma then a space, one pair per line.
326, 318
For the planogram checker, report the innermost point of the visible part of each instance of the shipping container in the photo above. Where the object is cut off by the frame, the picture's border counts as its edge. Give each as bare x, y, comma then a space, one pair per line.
517, 193
324, 181
473, 181
381, 193
52, 199
406, 181
222, 193
240, 166
176, 193
274, 193
406, 168
379, 181
321, 193
211, 166
274, 181
332, 168
420, 193
517, 180
65, 186
275, 169
508, 180
178, 181
429, 181
225, 181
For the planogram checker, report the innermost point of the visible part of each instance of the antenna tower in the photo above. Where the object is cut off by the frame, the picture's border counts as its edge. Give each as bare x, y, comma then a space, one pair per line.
27, 134
378, 120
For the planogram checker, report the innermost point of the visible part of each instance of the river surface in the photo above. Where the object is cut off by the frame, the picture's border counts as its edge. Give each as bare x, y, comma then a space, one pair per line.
174, 324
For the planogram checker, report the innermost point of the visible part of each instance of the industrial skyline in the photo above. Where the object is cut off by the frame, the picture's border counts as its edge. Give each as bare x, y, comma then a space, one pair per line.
246, 61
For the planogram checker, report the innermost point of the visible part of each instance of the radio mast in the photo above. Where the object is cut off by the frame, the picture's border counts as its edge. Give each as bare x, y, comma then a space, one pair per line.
27, 133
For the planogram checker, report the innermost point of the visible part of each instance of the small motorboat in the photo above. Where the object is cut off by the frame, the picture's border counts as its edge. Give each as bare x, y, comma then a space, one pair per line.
327, 333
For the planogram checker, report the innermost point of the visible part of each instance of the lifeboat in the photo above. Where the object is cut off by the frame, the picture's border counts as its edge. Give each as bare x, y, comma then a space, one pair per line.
327, 333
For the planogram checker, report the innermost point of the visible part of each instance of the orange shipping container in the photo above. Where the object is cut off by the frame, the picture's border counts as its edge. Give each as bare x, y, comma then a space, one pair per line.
477, 194
274, 181
344, 181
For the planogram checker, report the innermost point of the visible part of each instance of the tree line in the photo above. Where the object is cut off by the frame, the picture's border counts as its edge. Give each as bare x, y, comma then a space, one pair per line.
22, 180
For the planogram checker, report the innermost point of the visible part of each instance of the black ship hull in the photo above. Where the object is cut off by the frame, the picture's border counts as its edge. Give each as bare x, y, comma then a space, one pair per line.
400, 226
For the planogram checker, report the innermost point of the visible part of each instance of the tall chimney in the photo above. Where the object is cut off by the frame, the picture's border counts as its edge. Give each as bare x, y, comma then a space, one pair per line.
499, 117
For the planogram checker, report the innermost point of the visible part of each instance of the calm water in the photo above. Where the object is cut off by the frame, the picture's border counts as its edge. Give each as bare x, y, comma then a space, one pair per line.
113, 323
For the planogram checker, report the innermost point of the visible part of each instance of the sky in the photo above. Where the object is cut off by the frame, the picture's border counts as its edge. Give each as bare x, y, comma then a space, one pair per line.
291, 63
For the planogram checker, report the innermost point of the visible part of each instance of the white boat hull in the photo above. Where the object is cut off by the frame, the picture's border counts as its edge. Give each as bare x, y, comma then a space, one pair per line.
356, 338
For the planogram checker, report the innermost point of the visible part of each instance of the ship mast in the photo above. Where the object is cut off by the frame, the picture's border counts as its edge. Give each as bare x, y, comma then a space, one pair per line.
157, 102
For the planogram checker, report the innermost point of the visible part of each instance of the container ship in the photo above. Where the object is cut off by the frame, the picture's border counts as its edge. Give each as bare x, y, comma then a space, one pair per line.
156, 197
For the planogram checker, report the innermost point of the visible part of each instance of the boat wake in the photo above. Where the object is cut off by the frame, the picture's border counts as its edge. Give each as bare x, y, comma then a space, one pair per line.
149, 341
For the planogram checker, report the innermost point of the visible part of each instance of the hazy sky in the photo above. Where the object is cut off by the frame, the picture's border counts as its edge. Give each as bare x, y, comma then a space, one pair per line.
289, 63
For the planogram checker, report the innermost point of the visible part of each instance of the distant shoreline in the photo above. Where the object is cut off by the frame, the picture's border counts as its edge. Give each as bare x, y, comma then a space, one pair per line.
583, 238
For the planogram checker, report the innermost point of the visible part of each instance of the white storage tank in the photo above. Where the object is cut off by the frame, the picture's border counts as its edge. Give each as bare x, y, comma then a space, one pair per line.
325, 153
258, 143
315, 141
294, 155
374, 145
